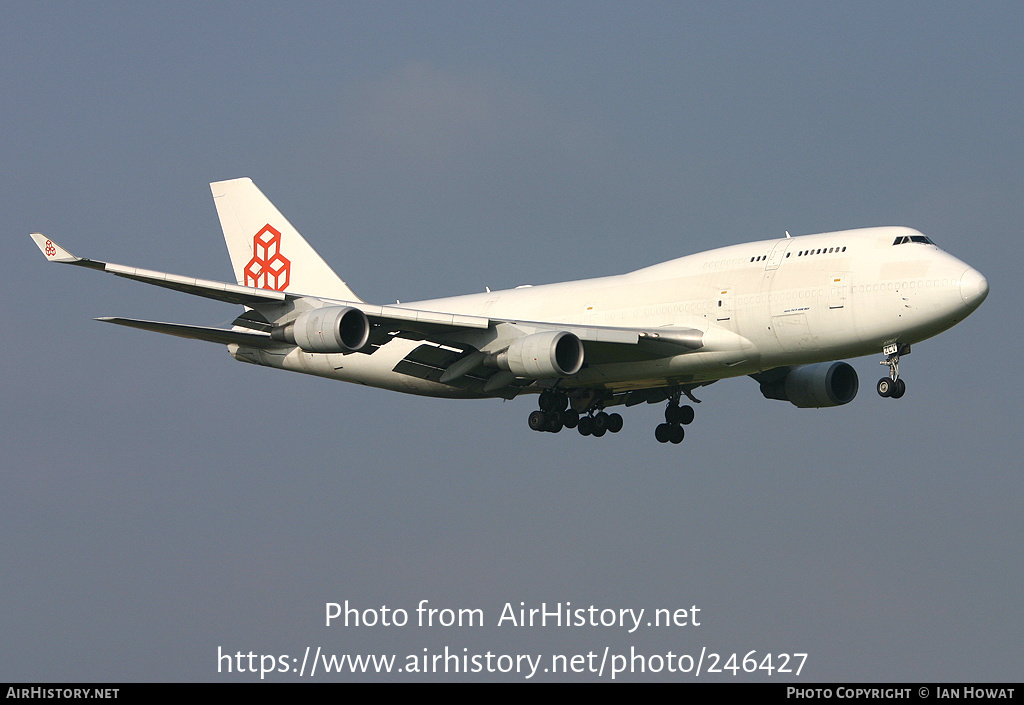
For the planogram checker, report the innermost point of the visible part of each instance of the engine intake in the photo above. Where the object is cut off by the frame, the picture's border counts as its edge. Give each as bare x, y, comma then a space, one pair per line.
332, 329
814, 386
552, 353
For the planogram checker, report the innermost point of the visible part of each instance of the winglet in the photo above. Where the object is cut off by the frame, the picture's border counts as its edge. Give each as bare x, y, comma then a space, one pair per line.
53, 251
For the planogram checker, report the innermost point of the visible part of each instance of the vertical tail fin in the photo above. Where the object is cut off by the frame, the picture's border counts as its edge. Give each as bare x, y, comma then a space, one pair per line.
266, 251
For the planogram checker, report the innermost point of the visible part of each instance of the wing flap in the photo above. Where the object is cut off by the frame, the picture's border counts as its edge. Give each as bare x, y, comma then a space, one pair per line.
661, 341
430, 361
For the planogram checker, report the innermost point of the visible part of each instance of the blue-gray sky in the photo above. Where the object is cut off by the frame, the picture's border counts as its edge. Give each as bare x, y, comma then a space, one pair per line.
161, 500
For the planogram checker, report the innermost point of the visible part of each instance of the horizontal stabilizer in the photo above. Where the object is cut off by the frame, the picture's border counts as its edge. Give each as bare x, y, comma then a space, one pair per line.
212, 335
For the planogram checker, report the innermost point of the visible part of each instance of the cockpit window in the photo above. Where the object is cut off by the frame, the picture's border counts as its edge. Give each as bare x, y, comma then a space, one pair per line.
903, 239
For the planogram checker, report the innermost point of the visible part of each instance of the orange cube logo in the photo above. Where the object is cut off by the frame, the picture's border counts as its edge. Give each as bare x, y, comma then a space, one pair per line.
268, 268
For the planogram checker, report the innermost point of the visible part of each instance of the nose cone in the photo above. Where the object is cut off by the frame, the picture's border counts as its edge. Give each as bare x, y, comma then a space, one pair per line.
973, 288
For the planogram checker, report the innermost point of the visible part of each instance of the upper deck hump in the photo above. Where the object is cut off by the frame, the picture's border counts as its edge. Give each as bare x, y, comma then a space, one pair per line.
722, 258
751, 251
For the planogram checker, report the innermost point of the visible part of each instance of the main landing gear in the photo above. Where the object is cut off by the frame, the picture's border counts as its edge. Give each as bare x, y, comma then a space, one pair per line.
554, 415
675, 418
597, 423
892, 386
587, 415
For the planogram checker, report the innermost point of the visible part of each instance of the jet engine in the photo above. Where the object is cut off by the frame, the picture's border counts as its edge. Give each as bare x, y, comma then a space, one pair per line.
553, 353
332, 329
813, 386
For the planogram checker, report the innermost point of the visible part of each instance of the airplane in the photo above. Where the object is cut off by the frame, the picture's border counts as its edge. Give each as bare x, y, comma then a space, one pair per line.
783, 311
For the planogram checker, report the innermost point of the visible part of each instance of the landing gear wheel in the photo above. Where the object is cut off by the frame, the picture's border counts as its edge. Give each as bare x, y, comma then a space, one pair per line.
598, 432
553, 421
663, 433
899, 388
679, 415
552, 401
614, 423
676, 436
546, 401
585, 426
885, 387
538, 420
600, 422
570, 419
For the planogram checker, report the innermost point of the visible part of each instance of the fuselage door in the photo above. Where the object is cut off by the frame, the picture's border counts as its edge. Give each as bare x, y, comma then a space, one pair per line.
837, 290
723, 310
778, 254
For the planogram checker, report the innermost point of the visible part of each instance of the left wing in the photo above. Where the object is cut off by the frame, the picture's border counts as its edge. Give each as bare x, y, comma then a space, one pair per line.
221, 291
601, 343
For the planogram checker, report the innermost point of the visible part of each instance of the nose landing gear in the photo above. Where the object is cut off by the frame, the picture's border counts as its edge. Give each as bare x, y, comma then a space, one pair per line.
892, 386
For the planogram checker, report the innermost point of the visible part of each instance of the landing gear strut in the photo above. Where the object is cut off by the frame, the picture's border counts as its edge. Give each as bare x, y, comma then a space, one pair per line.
892, 386
675, 418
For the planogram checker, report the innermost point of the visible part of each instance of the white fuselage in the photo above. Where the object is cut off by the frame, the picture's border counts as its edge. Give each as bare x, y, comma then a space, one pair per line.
760, 305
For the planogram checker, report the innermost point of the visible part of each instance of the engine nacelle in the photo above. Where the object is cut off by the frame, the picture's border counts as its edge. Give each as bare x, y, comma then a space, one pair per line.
553, 353
815, 386
332, 329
